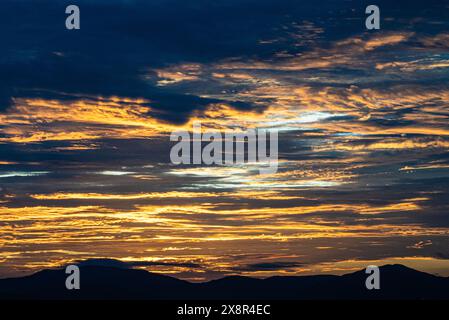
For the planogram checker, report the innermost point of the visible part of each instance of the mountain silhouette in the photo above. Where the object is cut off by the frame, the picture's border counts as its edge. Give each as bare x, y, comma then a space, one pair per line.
106, 282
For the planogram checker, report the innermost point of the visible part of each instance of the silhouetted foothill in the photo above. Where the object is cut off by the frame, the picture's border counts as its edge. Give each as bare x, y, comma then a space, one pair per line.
97, 282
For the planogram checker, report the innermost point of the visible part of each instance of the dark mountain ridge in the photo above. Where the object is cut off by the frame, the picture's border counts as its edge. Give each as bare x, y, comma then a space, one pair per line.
99, 282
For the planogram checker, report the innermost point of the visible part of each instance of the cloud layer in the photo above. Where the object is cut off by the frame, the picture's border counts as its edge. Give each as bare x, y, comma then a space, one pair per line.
85, 118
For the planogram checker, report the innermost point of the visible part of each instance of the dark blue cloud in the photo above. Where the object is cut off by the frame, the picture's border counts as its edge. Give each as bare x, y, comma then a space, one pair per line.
130, 264
122, 41
270, 266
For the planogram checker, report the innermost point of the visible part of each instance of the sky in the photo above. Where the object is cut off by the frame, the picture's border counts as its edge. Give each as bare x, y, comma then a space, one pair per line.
86, 116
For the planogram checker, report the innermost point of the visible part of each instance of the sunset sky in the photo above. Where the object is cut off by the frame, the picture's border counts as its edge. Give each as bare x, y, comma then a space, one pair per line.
86, 116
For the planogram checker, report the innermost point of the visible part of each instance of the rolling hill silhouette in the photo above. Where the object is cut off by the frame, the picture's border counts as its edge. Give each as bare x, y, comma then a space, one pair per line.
100, 282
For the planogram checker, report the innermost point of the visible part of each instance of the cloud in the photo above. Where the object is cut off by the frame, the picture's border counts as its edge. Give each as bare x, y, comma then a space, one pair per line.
421, 244
102, 58
362, 118
442, 255
131, 264
270, 266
